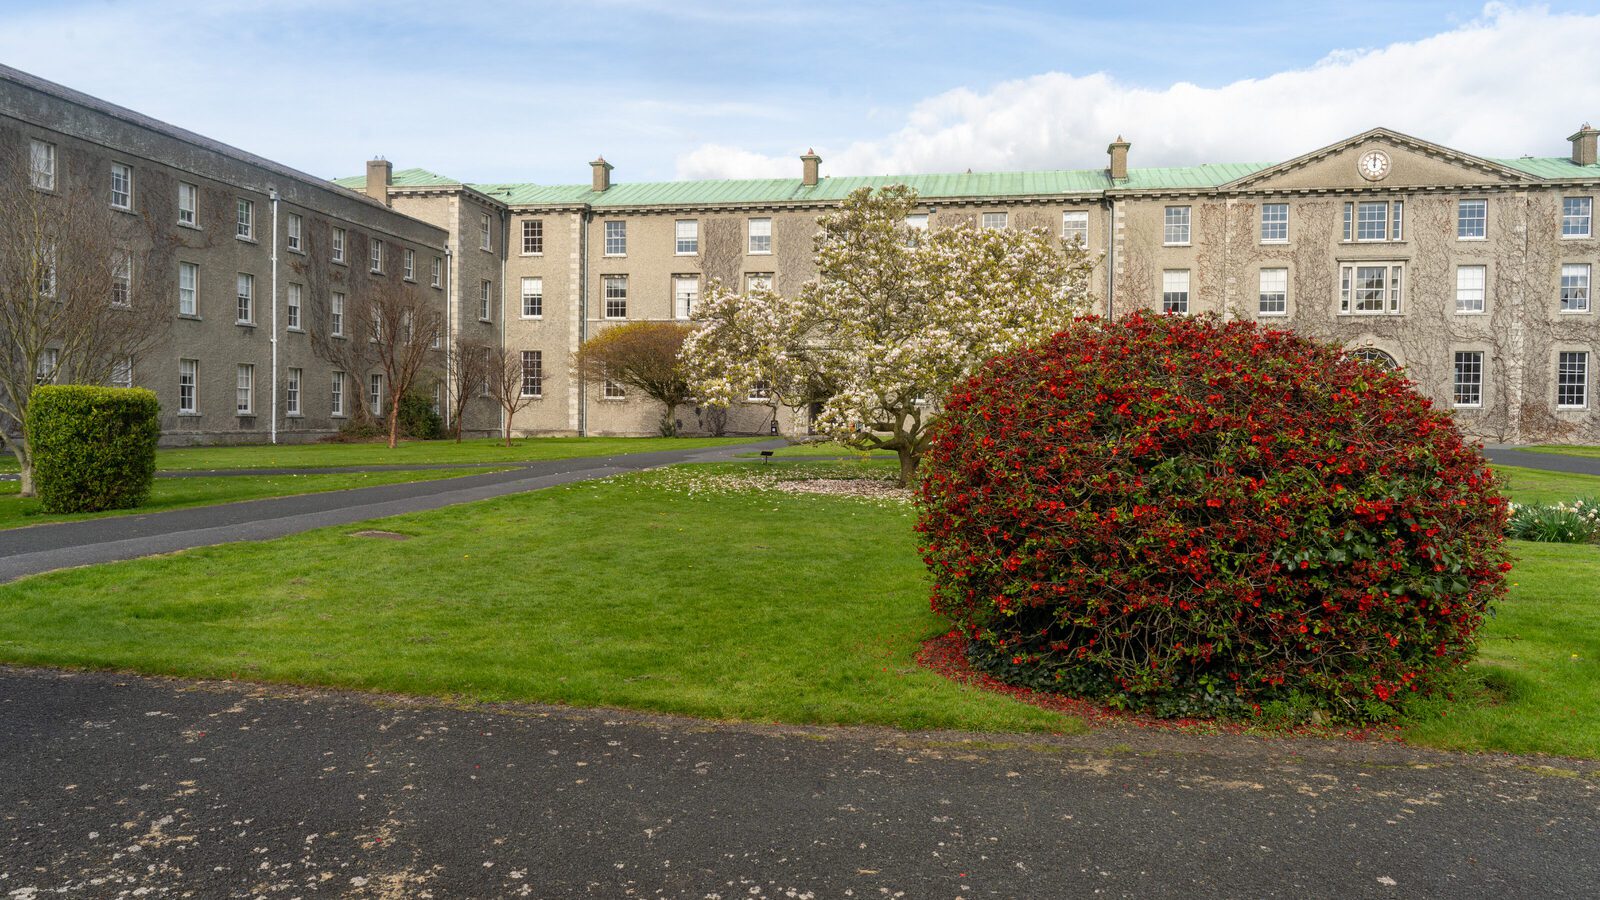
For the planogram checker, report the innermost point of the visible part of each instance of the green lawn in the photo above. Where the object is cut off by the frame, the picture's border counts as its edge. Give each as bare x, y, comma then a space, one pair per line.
754, 606
1538, 486
1566, 450
174, 493
481, 450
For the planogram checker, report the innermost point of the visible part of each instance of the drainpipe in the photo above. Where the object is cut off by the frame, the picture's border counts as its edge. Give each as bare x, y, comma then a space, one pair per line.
499, 309
1111, 256
449, 322
583, 315
272, 194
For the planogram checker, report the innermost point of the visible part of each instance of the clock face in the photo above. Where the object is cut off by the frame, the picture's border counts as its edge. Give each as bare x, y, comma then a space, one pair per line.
1373, 165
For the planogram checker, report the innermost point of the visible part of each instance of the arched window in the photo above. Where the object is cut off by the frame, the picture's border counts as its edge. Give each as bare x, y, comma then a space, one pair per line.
1374, 355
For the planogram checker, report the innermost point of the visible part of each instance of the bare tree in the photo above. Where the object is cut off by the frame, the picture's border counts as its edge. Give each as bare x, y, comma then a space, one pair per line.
642, 356
404, 335
469, 365
339, 319
507, 383
78, 300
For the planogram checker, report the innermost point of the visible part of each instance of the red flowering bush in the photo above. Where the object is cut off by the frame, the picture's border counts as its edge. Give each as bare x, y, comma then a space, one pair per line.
1189, 517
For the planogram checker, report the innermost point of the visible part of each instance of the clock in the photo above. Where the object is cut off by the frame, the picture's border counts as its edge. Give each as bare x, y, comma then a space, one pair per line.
1373, 165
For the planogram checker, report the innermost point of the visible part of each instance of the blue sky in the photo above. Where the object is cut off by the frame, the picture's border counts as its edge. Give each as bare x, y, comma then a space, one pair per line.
532, 91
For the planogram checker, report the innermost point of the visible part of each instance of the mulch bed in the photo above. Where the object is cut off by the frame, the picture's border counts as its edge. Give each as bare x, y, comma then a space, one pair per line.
946, 656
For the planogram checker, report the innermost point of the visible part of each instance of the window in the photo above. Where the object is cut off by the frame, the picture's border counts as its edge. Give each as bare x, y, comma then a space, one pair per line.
614, 391
685, 292
1575, 288
688, 237
1274, 292
122, 372
336, 314
917, 221
616, 296
760, 236
42, 165
1572, 379
485, 233
44, 371
291, 393
338, 245
616, 239
485, 292
1075, 227
244, 395
1274, 223
1470, 283
336, 394
1468, 387
1175, 227
1377, 357
1175, 291
375, 394
188, 204
533, 373
122, 279
438, 398
411, 264
1472, 221
532, 298
993, 220
757, 281
292, 306
760, 392
47, 273
1370, 289
438, 271
121, 186
296, 224
1372, 221
247, 293
188, 372
188, 289
377, 255
245, 221
1577, 214
532, 236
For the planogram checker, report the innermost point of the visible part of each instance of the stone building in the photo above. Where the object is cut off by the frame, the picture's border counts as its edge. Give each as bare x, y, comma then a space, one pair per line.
1472, 273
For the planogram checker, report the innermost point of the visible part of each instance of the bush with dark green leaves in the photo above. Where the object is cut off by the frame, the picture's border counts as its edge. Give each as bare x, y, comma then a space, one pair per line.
93, 448
417, 418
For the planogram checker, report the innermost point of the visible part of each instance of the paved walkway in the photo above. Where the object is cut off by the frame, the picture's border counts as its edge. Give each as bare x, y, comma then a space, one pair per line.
1550, 462
124, 786
42, 548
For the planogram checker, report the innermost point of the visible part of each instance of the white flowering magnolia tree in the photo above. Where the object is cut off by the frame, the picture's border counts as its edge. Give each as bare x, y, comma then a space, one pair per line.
896, 315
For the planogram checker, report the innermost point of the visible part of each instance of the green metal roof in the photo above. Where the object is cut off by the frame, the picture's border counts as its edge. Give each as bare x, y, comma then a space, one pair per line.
1205, 176
402, 178
1551, 167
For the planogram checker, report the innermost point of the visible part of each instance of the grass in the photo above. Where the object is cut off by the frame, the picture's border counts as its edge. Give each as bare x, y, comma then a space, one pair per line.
176, 493
752, 606
1538, 486
487, 451
1566, 450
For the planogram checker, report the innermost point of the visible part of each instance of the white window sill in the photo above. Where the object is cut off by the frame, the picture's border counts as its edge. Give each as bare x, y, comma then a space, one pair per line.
1575, 237
1273, 315
485, 321
1471, 312
189, 413
338, 262
690, 253
528, 318
409, 280
189, 225
613, 399
614, 255
243, 324
122, 209
1184, 244
295, 329
1461, 239
374, 271
1560, 408
193, 317
1574, 312
1275, 243
245, 239
759, 253
295, 250
531, 253
1467, 406
531, 396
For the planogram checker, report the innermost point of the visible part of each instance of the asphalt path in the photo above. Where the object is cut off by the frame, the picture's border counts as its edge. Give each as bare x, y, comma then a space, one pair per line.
1550, 462
122, 786
43, 548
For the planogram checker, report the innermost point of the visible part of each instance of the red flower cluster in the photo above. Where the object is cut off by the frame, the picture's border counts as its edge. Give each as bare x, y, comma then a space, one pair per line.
1189, 517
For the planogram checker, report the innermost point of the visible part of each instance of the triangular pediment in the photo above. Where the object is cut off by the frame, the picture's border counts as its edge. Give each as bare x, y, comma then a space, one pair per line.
1381, 159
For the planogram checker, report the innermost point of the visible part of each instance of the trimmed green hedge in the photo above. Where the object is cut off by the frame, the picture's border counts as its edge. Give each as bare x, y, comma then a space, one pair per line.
93, 448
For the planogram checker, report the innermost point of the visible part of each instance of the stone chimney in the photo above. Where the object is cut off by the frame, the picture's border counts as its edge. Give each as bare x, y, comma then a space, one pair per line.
1583, 145
1119, 159
810, 164
380, 174
602, 174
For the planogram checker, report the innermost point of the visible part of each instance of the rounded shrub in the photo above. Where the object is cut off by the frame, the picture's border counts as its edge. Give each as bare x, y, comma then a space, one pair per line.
1187, 517
417, 418
93, 448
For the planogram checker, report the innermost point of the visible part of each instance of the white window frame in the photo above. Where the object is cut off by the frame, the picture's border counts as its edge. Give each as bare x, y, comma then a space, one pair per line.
533, 297
1472, 299
336, 394
486, 233
1174, 300
375, 253
608, 296
1473, 227
338, 245
291, 306
122, 372
1278, 288
1177, 226
1576, 213
686, 237
1075, 224
245, 295
758, 235
1471, 364
410, 260
683, 301
485, 300
244, 394
375, 387
438, 271
532, 373
244, 219
42, 164
615, 237
994, 221
122, 278
1270, 226
1575, 297
189, 296
291, 392
189, 382
759, 392
188, 205
48, 367
336, 304
759, 281
613, 391
121, 186
293, 230
1579, 363
1392, 290
532, 237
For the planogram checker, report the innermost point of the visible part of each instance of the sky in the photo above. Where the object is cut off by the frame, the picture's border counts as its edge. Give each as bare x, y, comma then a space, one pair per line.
664, 89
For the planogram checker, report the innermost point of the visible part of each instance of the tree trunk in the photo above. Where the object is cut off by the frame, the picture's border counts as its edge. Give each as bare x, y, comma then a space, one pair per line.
908, 465
394, 421
509, 414
25, 480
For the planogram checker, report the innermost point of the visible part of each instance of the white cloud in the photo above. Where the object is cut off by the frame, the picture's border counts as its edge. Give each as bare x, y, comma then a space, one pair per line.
1511, 82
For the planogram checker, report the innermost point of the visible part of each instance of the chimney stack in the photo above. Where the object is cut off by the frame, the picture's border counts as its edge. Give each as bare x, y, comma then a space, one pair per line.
380, 174
602, 175
810, 164
1119, 159
1583, 145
